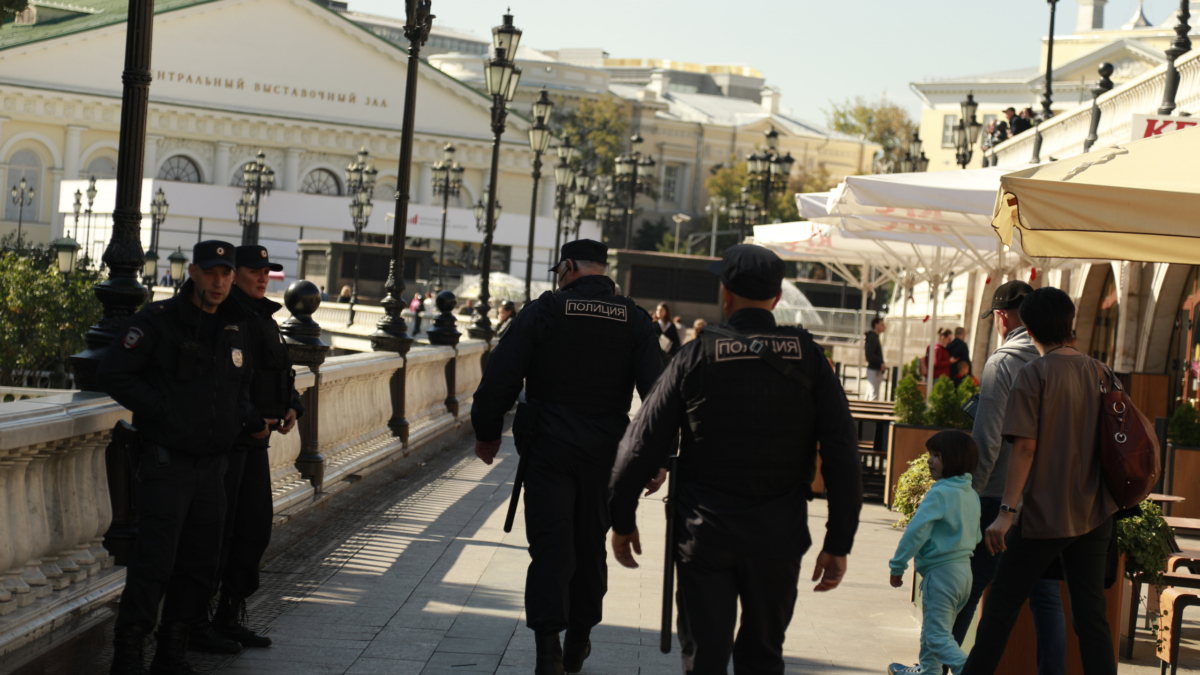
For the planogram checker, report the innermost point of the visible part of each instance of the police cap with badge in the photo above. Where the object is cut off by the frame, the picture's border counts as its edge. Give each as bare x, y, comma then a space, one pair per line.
750, 271
255, 257
208, 254
581, 250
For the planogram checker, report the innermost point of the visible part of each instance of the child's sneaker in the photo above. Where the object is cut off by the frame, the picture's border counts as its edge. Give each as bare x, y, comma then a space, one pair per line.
901, 669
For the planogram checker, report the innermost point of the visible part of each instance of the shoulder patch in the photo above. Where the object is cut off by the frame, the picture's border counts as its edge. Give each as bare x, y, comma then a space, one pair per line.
597, 309
133, 337
232, 327
786, 346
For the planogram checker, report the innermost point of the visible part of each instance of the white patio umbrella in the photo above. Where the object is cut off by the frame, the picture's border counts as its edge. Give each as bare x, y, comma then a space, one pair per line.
1130, 201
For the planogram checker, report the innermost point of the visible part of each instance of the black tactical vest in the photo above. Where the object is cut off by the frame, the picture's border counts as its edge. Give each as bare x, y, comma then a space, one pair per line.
750, 428
587, 362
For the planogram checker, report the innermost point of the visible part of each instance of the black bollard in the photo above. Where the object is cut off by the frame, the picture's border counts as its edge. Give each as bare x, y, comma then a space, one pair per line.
444, 330
303, 337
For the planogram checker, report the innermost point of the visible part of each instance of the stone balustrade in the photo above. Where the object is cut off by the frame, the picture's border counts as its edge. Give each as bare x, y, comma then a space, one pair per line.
1063, 135
55, 463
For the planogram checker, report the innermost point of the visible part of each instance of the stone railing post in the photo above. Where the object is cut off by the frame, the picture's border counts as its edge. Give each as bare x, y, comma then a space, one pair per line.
303, 336
445, 332
1102, 87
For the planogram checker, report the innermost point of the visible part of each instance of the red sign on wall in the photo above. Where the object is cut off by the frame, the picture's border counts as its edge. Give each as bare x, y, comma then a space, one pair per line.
1145, 126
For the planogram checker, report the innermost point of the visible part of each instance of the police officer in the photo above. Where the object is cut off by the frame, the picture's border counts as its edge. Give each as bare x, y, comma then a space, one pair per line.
751, 428
249, 512
183, 369
579, 353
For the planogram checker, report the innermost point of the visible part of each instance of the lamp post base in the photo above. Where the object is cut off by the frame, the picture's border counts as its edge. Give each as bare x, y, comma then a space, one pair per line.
481, 332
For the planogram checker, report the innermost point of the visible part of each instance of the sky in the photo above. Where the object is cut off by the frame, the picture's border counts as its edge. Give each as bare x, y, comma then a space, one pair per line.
814, 51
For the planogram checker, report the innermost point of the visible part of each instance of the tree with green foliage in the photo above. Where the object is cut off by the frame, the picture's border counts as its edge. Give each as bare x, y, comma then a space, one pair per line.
46, 314
11, 8
885, 123
911, 488
652, 234
1184, 427
599, 129
910, 402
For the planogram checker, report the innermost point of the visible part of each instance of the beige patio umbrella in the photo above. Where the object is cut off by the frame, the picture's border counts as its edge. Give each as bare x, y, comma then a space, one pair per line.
1130, 201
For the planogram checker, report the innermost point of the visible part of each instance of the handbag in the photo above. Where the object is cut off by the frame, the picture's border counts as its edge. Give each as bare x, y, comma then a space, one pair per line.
1127, 443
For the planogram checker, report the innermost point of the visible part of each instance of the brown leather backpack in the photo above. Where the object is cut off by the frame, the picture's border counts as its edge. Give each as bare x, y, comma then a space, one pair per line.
1127, 443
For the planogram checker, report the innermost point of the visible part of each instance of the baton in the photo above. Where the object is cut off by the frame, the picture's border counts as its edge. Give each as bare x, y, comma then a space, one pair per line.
668, 599
516, 493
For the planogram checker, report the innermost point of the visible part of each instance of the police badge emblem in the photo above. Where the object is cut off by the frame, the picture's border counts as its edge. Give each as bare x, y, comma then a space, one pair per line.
133, 337
236, 354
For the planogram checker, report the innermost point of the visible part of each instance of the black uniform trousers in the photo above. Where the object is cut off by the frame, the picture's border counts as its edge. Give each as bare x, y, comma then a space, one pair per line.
181, 510
710, 583
566, 521
248, 520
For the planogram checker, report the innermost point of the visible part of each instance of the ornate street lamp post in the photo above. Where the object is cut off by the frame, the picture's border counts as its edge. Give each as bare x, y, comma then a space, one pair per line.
715, 207
914, 159
121, 294
87, 239
581, 197
391, 333
539, 140
502, 76
66, 249
966, 134
78, 207
563, 177
627, 169
158, 214
258, 179
769, 173
21, 197
179, 261
1047, 93
447, 182
1179, 46
360, 182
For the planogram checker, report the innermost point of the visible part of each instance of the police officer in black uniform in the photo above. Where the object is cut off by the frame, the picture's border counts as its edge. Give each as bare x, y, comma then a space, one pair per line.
183, 369
751, 428
578, 353
249, 511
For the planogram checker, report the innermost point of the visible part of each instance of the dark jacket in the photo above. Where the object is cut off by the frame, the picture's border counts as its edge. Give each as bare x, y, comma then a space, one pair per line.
592, 437
1020, 125
754, 525
959, 350
874, 351
186, 393
671, 333
273, 389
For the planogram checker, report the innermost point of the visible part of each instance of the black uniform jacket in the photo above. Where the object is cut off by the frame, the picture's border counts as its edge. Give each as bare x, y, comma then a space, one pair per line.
874, 350
593, 438
273, 389
752, 526
186, 393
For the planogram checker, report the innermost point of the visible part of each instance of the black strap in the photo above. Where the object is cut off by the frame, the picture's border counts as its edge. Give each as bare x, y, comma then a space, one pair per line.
759, 349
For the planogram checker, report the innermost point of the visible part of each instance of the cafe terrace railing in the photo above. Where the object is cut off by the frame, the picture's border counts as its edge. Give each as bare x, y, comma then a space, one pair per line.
56, 470
1064, 134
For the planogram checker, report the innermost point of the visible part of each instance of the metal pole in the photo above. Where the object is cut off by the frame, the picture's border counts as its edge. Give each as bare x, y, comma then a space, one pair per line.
357, 261
391, 334
904, 298
1047, 95
20, 214
632, 200
442, 245
537, 173
934, 279
1179, 46
862, 320
482, 330
121, 293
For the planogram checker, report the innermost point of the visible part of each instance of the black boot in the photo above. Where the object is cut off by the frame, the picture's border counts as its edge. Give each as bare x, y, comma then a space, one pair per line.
549, 653
170, 652
230, 621
576, 647
204, 637
129, 651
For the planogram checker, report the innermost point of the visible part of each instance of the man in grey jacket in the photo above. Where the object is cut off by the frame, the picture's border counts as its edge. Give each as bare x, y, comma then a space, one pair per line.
999, 373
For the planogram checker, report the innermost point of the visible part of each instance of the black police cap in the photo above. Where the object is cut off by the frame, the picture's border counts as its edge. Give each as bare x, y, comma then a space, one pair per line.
583, 249
255, 257
209, 254
750, 271
1008, 296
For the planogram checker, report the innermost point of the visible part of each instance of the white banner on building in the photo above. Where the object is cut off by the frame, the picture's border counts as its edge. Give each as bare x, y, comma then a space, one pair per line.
1145, 126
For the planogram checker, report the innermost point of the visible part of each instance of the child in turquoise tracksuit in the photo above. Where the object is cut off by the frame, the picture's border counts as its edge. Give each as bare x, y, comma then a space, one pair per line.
942, 536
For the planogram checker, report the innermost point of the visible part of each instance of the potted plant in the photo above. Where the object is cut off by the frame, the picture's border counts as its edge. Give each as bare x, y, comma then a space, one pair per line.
1183, 461
1146, 543
918, 421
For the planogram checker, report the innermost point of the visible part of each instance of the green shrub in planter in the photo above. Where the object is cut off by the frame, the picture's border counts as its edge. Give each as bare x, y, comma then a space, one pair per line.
1184, 427
911, 368
910, 402
911, 489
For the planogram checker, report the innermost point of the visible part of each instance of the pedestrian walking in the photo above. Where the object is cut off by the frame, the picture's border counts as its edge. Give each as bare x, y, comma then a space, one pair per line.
1057, 507
183, 369
874, 355
249, 511
417, 308
941, 357
991, 473
958, 349
753, 403
508, 310
666, 331
579, 353
941, 537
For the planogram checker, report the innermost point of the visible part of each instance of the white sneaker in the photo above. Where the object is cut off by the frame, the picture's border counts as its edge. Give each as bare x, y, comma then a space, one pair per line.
901, 669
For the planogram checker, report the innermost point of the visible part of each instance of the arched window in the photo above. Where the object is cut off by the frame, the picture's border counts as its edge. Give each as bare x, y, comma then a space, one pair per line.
179, 168
321, 182
1104, 335
24, 164
384, 191
102, 168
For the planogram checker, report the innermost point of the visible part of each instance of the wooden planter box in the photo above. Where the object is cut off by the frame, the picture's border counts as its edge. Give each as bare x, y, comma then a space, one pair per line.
1183, 480
908, 443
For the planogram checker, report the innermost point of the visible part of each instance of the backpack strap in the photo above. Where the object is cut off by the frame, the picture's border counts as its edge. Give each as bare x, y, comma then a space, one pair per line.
759, 349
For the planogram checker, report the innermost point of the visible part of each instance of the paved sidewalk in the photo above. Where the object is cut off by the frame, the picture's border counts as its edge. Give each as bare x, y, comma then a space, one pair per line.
431, 584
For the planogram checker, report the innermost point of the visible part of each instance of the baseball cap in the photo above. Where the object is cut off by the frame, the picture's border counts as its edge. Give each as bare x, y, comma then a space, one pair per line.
583, 249
255, 257
1008, 296
209, 254
750, 271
